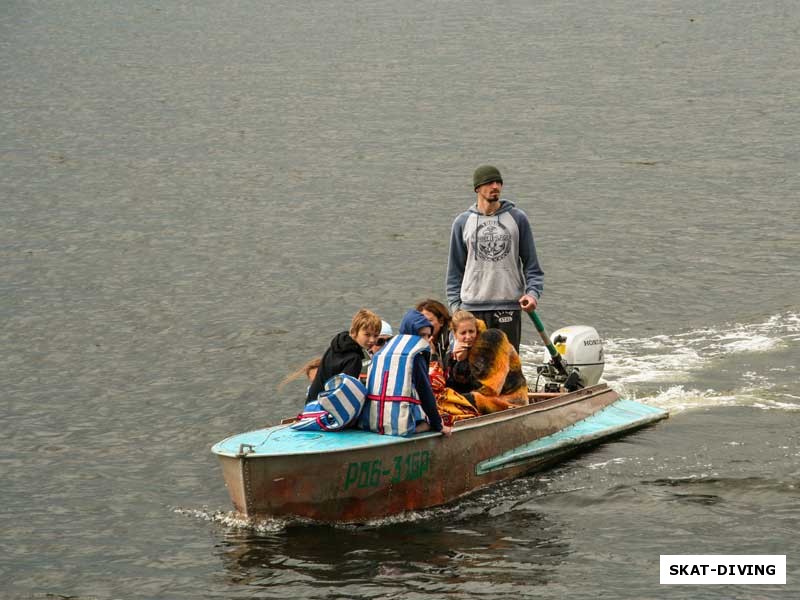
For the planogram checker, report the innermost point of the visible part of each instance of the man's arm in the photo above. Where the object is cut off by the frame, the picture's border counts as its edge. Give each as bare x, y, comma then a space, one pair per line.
534, 276
456, 261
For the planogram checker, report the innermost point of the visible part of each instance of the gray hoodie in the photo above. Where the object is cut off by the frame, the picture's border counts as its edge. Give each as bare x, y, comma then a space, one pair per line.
492, 260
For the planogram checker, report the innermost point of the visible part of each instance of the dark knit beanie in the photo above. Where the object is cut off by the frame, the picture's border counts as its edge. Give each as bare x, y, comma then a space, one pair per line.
485, 174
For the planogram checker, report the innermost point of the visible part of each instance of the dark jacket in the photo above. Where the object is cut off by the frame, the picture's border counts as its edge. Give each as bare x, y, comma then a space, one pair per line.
460, 378
412, 322
343, 356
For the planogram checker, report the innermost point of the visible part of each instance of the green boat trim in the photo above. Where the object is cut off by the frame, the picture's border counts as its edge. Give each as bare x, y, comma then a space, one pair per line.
616, 419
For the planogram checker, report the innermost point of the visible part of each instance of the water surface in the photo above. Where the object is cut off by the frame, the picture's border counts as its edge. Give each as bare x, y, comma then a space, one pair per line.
197, 196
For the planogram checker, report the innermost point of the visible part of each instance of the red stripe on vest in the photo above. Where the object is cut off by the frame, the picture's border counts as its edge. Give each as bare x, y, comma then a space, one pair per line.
385, 398
382, 401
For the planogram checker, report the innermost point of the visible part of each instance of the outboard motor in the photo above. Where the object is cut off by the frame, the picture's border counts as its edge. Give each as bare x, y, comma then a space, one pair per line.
581, 352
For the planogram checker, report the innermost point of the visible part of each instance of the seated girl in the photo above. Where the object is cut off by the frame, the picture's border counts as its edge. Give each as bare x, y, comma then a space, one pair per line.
439, 316
485, 372
453, 388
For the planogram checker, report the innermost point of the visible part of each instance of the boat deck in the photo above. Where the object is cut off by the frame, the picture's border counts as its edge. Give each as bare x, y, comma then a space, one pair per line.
281, 440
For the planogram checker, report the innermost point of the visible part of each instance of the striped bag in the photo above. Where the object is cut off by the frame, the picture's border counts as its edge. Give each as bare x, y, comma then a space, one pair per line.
335, 408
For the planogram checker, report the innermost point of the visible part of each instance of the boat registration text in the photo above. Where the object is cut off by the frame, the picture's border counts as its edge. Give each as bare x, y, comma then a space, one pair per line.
374, 473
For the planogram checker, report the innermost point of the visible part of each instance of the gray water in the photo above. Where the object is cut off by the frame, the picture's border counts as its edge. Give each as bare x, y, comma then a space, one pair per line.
195, 197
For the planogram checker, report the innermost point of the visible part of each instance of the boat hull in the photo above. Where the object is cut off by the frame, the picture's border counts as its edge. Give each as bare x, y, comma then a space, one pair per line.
354, 476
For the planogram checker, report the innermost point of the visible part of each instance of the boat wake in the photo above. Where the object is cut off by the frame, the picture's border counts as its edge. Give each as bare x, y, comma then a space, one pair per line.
497, 499
233, 520
732, 365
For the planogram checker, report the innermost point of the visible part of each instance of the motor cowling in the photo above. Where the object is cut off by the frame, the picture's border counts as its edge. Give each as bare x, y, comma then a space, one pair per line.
581, 351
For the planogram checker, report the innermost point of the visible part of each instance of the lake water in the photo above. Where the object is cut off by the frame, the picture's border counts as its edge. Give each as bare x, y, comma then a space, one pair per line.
196, 196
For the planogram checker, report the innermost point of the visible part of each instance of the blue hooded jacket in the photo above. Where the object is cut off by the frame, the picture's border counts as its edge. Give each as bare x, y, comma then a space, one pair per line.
410, 324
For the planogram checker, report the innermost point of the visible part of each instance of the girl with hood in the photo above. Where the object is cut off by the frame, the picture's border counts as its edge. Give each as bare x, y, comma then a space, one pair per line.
399, 394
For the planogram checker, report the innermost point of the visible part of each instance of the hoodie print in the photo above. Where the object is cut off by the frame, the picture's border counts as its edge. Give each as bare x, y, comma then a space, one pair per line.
492, 240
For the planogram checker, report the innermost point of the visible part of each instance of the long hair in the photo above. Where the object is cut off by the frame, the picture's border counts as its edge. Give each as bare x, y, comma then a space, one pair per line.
309, 370
464, 315
440, 312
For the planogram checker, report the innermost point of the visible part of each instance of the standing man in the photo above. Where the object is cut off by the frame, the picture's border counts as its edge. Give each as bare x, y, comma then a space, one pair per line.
492, 269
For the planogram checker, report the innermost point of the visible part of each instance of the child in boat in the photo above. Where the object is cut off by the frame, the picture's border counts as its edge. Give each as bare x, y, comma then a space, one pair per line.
485, 373
439, 316
400, 400
465, 331
384, 336
347, 352
453, 388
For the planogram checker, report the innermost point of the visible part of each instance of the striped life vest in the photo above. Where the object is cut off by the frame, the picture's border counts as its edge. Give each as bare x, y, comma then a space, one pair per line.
393, 406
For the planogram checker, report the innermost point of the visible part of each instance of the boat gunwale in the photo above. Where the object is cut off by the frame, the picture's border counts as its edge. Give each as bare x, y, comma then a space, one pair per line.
535, 407
463, 425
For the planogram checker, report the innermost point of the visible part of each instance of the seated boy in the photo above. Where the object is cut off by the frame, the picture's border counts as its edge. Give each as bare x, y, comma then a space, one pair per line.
347, 352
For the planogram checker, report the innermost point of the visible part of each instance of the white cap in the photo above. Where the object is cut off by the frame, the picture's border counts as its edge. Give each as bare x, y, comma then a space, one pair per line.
386, 329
